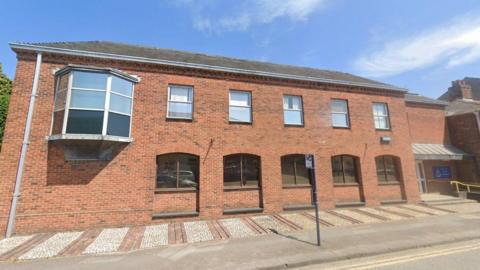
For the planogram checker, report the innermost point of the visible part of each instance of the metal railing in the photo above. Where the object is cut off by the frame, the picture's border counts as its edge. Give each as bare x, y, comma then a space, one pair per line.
459, 186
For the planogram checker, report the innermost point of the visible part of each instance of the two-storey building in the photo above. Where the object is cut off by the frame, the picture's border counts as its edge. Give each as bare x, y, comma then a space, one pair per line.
107, 134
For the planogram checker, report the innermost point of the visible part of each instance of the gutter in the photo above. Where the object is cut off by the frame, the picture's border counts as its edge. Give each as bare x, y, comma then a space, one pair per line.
109, 56
23, 153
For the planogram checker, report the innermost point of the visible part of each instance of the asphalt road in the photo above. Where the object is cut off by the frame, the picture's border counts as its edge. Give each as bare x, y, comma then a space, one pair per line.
458, 256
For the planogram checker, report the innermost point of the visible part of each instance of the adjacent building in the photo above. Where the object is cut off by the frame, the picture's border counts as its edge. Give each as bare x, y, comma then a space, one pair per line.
107, 134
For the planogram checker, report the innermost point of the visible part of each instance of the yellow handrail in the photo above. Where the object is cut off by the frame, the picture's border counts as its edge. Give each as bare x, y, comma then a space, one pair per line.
459, 184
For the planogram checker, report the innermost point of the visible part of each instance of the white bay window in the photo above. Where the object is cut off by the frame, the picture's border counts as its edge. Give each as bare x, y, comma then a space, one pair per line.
93, 102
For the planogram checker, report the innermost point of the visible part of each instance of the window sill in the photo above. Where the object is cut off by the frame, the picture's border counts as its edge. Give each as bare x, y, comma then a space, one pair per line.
239, 123
296, 186
174, 119
294, 125
236, 188
89, 137
335, 127
391, 183
383, 129
174, 215
174, 190
346, 184
233, 211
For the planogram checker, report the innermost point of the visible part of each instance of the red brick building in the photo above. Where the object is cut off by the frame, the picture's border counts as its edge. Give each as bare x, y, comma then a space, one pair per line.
118, 135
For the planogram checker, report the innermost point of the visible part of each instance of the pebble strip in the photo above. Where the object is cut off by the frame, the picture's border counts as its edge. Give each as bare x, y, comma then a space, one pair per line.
301, 220
355, 215
52, 246
426, 209
270, 224
383, 213
154, 236
236, 228
197, 231
406, 211
108, 241
332, 219
10, 243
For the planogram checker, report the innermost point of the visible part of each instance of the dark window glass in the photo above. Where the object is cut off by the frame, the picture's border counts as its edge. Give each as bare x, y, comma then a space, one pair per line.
294, 171
177, 171
241, 170
344, 169
118, 124
387, 170
85, 122
57, 122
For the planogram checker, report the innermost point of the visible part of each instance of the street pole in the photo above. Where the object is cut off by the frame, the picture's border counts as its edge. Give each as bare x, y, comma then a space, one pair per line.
310, 164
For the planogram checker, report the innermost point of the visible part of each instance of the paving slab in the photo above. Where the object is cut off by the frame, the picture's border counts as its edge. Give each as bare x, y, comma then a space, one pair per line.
269, 223
357, 216
52, 246
154, 236
197, 231
426, 209
405, 211
236, 227
301, 220
332, 219
109, 240
10, 243
385, 214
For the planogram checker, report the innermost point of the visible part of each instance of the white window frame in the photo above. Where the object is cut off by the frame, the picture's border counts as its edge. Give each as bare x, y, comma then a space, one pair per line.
190, 88
293, 110
106, 108
346, 113
385, 116
239, 106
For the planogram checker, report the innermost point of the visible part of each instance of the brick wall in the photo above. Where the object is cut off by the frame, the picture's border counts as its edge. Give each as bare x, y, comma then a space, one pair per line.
121, 191
427, 123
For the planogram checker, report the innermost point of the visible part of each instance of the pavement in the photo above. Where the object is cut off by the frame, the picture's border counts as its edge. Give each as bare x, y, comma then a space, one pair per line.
270, 242
110, 240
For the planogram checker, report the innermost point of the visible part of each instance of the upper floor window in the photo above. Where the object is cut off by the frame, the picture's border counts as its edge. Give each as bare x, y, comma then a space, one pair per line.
177, 171
380, 115
241, 170
340, 117
180, 102
294, 171
93, 102
240, 106
292, 110
387, 169
344, 169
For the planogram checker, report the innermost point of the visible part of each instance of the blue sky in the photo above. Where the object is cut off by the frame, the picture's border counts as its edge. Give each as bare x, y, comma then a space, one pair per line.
419, 45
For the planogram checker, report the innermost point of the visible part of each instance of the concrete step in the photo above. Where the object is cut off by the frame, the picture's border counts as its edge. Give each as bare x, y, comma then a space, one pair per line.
448, 201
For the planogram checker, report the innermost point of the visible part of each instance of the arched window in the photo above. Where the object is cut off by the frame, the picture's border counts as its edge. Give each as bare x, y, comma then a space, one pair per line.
241, 170
177, 170
344, 169
294, 171
387, 169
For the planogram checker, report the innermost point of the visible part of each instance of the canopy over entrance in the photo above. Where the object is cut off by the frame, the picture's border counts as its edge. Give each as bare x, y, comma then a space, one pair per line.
438, 152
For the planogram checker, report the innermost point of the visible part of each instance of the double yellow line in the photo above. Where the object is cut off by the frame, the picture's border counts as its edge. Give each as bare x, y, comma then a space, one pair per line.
441, 251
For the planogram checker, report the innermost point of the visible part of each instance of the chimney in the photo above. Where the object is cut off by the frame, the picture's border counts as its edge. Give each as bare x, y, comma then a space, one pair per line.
459, 89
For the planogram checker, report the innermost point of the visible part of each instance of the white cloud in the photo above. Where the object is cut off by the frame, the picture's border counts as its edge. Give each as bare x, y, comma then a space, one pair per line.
454, 44
247, 13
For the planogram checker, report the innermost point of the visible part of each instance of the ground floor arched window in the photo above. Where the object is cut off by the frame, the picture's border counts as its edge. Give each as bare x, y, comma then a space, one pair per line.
177, 170
388, 169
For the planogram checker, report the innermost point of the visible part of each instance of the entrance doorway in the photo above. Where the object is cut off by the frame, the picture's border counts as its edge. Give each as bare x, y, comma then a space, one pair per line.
422, 181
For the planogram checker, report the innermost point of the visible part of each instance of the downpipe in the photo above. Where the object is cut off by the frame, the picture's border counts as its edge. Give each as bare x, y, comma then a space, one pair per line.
23, 153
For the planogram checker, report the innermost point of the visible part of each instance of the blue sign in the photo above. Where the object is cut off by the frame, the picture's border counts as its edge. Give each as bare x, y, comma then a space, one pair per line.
442, 172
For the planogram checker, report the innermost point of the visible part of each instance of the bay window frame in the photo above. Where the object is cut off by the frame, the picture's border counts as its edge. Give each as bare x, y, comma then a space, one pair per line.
106, 108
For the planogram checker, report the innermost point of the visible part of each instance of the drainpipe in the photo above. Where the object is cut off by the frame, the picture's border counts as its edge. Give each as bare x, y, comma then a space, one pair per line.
26, 137
477, 116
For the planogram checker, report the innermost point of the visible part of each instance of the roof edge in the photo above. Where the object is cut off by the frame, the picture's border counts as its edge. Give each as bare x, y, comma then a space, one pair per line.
37, 48
427, 103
